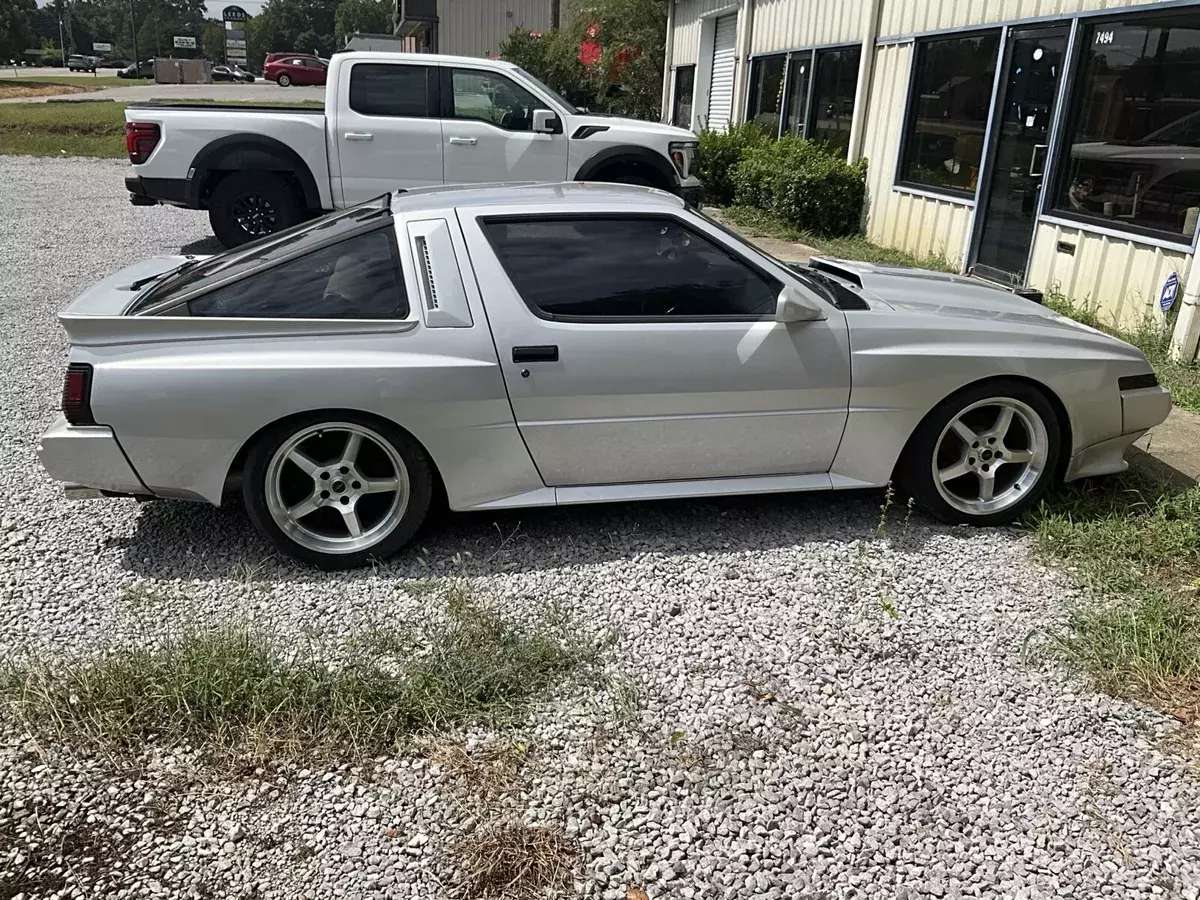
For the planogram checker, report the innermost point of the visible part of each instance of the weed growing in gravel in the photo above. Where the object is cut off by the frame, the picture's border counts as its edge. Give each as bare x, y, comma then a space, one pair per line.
1133, 542
515, 861
229, 689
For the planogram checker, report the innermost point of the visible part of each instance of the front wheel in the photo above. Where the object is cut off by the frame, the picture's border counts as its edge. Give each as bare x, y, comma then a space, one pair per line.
284, 80
248, 205
338, 491
984, 455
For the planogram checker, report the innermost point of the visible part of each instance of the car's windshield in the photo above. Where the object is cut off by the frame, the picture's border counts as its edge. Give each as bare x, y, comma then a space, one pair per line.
291, 242
568, 106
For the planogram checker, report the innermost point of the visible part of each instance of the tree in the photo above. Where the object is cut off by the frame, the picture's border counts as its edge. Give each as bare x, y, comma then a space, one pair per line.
301, 26
15, 33
365, 16
213, 43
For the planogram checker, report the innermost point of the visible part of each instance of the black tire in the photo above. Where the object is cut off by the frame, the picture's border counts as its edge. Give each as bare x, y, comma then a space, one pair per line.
284, 80
420, 477
1016, 487
630, 178
248, 205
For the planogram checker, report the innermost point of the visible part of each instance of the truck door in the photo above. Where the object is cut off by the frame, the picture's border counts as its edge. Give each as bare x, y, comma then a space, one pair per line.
385, 132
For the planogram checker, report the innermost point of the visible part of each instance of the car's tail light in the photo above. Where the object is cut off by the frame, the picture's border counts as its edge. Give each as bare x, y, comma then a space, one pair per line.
140, 140
77, 394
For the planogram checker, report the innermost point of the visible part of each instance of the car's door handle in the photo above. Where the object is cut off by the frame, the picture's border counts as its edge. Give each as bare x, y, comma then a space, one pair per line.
359, 136
465, 142
545, 353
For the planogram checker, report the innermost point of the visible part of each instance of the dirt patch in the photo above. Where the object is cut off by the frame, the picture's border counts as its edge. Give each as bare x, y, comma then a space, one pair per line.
10, 90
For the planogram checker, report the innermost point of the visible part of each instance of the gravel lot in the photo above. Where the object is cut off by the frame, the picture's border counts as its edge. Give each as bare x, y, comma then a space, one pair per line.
791, 736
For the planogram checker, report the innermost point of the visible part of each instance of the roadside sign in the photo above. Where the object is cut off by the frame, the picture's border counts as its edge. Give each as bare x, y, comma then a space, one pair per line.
185, 42
101, 47
234, 14
235, 45
1170, 291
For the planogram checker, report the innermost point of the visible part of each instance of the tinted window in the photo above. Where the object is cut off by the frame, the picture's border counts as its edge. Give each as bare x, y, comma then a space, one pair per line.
493, 98
385, 90
627, 268
1131, 155
356, 279
766, 93
799, 76
948, 112
685, 84
833, 97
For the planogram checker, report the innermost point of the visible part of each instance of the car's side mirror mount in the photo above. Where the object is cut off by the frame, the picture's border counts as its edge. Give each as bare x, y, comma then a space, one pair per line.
793, 306
546, 122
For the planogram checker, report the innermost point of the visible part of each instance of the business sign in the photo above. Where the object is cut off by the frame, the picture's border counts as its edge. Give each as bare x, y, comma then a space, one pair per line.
101, 47
185, 42
234, 14
235, 45
1169, 292
238, 34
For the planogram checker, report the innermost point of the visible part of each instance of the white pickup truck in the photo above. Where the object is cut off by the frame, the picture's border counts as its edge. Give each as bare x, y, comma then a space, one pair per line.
392, 121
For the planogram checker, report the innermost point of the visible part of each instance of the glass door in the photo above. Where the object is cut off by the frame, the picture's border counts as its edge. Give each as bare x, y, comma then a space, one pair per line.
1009, 205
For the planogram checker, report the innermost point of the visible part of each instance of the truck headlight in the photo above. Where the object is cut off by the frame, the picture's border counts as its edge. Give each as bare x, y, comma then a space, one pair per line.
686, 157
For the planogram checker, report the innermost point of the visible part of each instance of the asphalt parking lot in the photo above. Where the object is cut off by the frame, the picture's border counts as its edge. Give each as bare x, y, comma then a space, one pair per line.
139, 91
817, 712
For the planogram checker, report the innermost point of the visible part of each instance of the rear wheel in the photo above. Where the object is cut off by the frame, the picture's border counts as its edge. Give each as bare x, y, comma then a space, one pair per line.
284, 79
337, 491
984, 455
248, 205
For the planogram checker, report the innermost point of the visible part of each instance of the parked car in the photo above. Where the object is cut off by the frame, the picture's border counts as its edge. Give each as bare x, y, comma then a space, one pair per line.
382, 129
78, 63
573, 343
296, 69
145, 70
231, 73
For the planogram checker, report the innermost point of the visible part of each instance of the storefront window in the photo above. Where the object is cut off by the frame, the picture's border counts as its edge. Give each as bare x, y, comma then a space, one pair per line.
833, 96
1131, 152
766, 93
948, 112
799, 75
685, 84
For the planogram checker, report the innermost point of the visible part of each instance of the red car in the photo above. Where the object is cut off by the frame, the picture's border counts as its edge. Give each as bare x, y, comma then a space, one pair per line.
294, 68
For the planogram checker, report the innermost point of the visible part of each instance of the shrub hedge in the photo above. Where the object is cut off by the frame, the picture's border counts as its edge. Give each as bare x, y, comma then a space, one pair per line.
720, 152
803, 184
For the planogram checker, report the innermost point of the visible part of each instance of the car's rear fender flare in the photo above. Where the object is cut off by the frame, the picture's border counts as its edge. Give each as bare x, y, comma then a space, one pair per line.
248, 152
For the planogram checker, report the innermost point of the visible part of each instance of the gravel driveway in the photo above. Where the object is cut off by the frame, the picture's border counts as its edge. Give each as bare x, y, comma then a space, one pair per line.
794, 707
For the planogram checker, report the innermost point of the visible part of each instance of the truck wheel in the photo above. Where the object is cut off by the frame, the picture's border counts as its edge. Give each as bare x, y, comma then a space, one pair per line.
248, 205
284, 80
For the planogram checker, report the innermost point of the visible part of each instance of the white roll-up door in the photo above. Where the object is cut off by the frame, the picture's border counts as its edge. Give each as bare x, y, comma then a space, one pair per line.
720, 92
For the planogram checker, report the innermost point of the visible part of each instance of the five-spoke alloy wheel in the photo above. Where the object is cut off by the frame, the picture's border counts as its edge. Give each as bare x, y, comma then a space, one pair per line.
984, 455
336, 492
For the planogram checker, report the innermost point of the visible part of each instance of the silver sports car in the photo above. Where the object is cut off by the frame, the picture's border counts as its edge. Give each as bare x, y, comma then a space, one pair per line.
558, 344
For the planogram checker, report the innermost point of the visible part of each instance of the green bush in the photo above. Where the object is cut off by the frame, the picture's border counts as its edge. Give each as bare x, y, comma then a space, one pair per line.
720, 152
803, 184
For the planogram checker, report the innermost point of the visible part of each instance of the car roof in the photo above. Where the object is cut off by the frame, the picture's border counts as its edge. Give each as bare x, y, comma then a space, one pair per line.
540, 195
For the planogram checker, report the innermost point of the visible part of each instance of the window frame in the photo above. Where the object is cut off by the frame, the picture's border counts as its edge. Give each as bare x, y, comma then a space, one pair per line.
432, 89
814, 97
907, 130
506, 218
690, 67
178, 307
1074, 100
446, 112
756, 62
809, 55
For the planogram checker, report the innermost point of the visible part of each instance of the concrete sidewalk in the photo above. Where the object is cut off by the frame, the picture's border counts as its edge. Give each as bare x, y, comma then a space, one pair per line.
1172, 449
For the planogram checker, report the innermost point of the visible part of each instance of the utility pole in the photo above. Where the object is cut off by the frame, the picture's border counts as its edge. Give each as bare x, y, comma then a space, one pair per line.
61, 45
137, 60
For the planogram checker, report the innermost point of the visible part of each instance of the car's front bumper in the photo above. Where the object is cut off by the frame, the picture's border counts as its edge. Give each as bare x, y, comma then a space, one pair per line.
691, 191
88, 456
1141, 410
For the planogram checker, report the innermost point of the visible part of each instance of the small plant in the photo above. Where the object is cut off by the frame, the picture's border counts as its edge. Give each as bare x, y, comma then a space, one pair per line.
888, 605
626, 698
884, 508
515, 861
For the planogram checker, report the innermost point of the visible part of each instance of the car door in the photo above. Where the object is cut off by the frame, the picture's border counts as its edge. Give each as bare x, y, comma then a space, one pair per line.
386, 132
487, 123
641, 348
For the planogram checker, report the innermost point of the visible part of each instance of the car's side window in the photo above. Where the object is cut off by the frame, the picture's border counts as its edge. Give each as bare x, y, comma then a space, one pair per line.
390, 90
490, 97
627, 268
358, 278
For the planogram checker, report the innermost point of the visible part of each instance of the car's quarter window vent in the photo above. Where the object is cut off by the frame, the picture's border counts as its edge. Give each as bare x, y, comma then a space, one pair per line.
443, 297
422, 245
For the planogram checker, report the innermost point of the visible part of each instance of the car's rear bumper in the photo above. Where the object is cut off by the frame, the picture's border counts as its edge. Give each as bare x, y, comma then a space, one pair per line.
1141, 410
152, 191
88, 456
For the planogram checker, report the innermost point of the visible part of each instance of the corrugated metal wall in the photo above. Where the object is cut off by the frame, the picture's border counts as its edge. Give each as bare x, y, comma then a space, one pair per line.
904, 17
479, 27
923, 226
783, 24
1119, 278
687, 27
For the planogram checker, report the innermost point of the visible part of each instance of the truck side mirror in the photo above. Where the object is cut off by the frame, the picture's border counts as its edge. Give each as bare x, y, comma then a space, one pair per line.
546, 122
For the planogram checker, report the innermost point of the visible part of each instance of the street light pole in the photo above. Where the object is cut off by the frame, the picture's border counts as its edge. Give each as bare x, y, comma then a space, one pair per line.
137, 61
61, 45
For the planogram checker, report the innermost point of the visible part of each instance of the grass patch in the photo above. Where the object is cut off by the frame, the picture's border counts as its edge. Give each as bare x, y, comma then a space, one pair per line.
231, 691
80, 128
515, 861
756, 222
1153, 338
1133, 542
87, 82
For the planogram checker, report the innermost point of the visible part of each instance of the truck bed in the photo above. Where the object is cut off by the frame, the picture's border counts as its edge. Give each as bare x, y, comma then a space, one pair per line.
232, 107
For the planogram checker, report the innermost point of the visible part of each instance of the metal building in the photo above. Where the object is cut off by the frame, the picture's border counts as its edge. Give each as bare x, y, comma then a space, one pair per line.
471, 27
1049, 143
